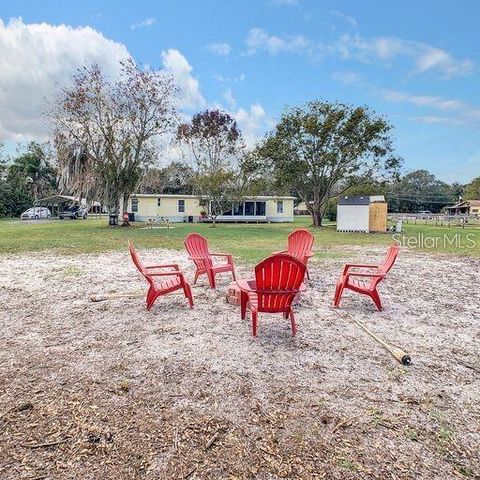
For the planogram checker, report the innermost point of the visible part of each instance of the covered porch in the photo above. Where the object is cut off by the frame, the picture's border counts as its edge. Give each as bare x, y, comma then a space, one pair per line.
246, 211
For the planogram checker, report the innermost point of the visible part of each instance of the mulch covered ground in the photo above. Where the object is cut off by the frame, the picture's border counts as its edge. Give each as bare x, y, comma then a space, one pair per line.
109, 390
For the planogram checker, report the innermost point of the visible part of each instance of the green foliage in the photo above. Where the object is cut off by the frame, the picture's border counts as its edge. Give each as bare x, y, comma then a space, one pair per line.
322, 148
12, 200
472, 190
31, 175
331, 210
366, 187
419, 190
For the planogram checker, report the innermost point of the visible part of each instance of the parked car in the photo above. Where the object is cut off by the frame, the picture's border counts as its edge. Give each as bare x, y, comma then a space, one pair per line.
73, 212
424, 214
36, 213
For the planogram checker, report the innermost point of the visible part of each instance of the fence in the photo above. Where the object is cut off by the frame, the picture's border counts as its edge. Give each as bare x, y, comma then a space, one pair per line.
436, 219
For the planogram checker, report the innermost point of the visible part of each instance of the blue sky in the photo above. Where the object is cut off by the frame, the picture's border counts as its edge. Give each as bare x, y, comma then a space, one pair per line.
416, 62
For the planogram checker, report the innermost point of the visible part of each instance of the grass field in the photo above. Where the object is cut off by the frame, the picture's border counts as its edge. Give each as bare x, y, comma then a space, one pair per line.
249, 243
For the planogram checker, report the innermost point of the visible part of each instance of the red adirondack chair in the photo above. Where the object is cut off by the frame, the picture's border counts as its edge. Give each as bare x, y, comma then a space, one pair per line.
197, 248
161, 282
366, 281
277, 280
300, 244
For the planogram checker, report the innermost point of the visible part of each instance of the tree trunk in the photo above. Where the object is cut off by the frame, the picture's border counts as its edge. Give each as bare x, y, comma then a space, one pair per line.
214, 219
316, 217
121, 204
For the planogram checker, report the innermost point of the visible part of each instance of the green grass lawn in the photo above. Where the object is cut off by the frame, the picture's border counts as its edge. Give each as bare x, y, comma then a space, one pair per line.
249, 242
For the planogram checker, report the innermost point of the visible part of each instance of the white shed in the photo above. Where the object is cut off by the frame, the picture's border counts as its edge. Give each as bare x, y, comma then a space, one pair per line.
362, 214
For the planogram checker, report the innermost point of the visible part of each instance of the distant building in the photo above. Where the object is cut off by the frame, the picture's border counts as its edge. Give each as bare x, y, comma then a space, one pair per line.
301, 209
362, 214
189, 208
466, 207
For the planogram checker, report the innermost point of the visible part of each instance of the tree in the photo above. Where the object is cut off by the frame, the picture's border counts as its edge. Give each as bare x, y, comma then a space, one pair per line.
419, 190
33, 172
176, 178
215, 143
472, 190
3, 163
105, 130
322, 148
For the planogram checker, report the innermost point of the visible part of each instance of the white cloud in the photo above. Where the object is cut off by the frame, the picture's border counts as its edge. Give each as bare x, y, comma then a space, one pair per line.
437, 59
438, 103
148, 22
259, 40
222, 49
457, 112
222, 79
421, 58
38, 57
347, 78
178, 65
436, 120
346, 18
229, 98
253, 123
424, 58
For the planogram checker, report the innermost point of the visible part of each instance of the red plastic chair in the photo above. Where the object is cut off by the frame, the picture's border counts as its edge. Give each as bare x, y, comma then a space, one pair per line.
277, 280
197, 248
300, 244
366, 281
172, 280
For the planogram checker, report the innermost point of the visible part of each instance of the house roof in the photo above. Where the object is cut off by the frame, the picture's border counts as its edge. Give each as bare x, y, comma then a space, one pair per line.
464, 204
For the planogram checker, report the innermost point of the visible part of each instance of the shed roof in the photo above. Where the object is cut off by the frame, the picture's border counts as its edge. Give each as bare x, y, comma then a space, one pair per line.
354, 200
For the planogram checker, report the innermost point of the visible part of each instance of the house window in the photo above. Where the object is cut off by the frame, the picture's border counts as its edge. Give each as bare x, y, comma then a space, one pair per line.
227, 212
238, 208
249, 208
260, 209
181, 206
280, 206
159, 202
134, 205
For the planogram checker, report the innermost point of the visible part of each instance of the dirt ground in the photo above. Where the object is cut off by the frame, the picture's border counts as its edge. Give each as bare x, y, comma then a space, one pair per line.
111, 391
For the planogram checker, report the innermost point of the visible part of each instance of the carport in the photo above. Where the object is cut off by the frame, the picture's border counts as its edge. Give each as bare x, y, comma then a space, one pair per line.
56, 203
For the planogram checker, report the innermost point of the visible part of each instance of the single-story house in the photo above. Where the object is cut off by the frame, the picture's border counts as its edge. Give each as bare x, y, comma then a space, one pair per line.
466, 207
362, 214
189, 208
301, 209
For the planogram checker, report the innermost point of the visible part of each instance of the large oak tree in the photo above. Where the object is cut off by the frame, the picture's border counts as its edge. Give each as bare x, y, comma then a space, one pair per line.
320, 149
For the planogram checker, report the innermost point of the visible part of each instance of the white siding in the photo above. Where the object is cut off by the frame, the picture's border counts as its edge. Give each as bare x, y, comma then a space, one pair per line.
353, 218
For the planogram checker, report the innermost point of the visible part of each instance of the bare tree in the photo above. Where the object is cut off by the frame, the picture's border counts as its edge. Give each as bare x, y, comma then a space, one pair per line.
216, 145
107, 130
